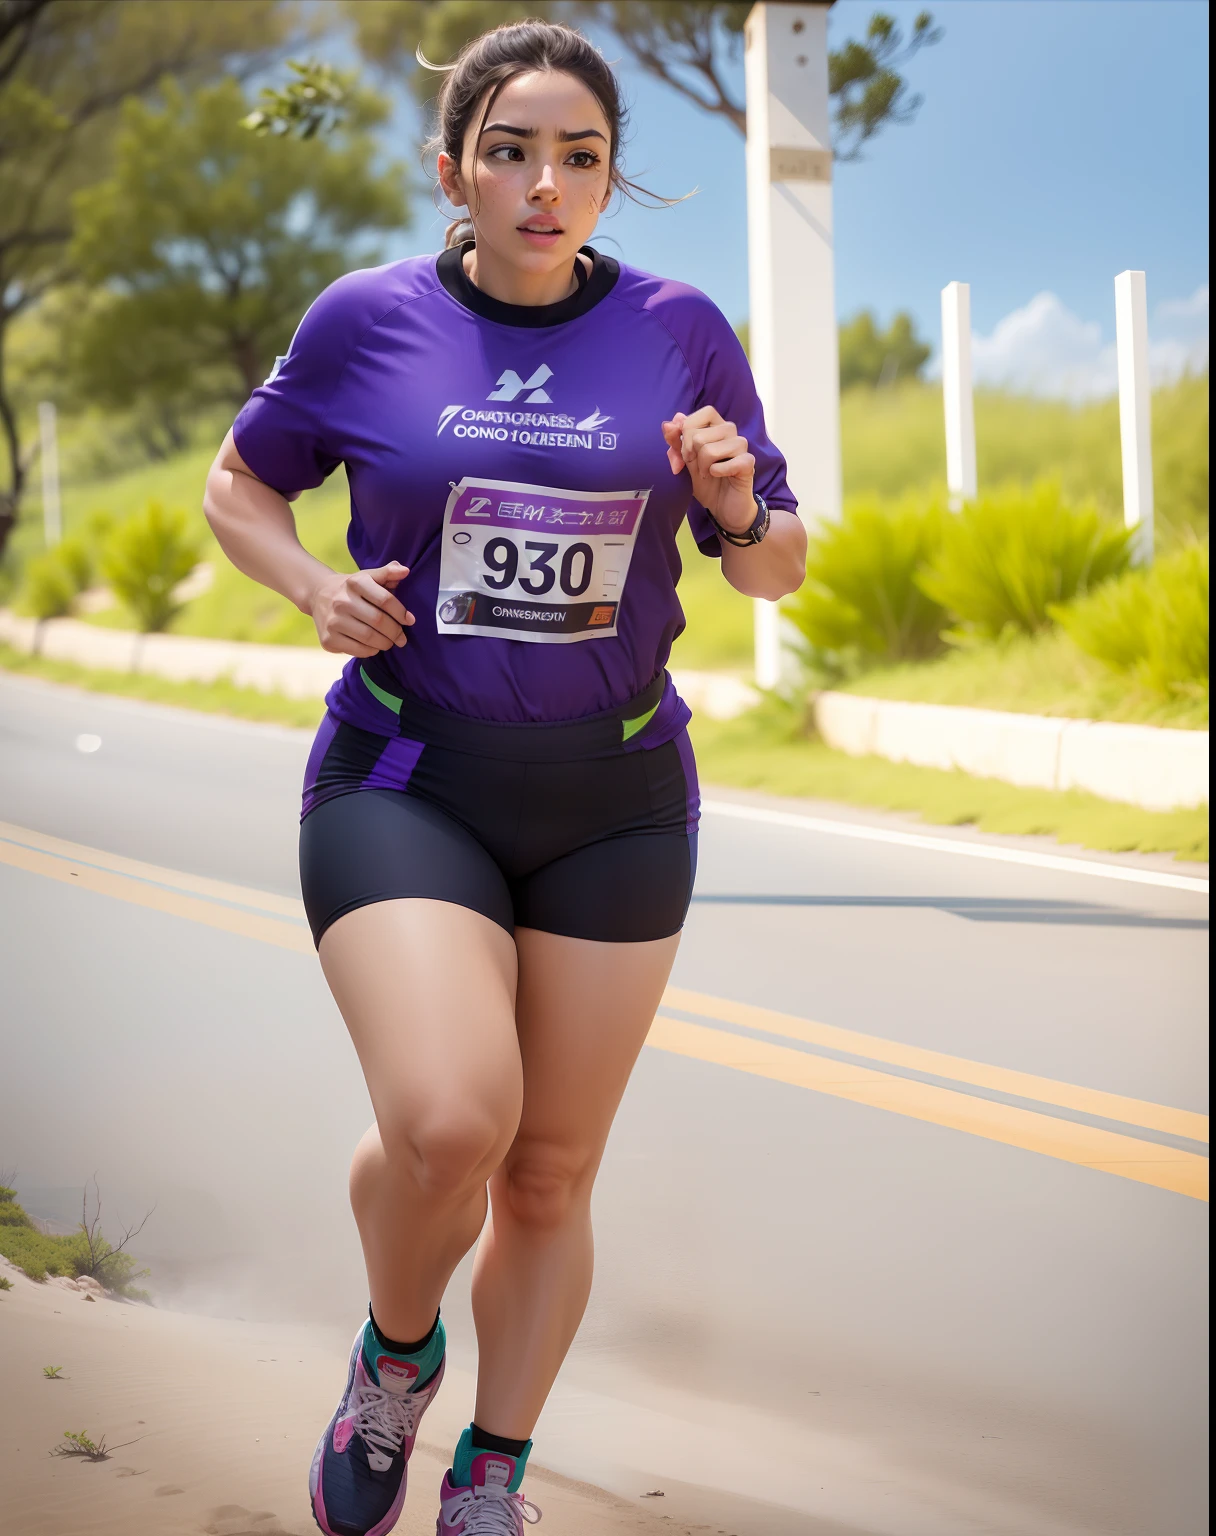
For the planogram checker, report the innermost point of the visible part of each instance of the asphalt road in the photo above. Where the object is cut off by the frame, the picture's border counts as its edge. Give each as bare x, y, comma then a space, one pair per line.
925, 1299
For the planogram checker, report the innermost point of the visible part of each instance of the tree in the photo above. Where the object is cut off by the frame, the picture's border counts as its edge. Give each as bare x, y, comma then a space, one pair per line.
208, 242
870, 356
687, 44
65, 68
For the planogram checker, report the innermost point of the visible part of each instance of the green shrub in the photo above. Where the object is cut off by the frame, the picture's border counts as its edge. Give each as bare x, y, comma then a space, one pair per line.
861, 595
144, 559
40, 1254
48, 590
1009, 556
5, 1283
78, 557
1151, 624
74, 1254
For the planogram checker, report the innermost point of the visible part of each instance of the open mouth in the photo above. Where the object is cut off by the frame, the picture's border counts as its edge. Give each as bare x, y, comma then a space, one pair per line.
540, 231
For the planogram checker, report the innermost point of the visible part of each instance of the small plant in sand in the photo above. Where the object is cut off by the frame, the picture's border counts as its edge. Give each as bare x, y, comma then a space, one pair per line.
79, 1445
5, 1283
51, 1372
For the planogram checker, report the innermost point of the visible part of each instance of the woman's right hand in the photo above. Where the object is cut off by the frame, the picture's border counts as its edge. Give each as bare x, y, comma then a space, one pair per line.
358, 615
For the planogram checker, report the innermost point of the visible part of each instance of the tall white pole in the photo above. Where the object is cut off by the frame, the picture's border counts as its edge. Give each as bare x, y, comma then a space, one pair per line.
48, 453
792, 290
957, 394
1135, 409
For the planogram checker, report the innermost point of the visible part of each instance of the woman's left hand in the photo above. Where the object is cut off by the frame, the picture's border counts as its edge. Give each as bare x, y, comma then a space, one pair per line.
718, 463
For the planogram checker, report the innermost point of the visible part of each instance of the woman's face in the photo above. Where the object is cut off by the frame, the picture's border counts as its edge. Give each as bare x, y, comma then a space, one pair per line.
536, 179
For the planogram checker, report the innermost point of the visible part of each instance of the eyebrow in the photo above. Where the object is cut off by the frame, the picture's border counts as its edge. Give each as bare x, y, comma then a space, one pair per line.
563, 134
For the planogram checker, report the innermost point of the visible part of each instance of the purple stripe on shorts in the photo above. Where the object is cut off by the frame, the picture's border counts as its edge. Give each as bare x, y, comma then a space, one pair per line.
326, 732
689, 763
395, 764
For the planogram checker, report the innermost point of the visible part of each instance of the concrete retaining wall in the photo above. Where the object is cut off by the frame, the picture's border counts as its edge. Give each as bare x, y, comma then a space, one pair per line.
1140, 764
299, 671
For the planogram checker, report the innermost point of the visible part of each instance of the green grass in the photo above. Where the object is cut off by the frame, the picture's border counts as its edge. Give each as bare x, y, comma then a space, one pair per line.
219, 698
764, 750
1041, 675
892, 442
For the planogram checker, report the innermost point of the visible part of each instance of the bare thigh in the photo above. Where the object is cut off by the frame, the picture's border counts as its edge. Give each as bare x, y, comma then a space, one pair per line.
583, 1012
427, 989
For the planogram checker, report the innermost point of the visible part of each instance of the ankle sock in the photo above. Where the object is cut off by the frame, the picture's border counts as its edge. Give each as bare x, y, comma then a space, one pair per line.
424, 1355
475, 1442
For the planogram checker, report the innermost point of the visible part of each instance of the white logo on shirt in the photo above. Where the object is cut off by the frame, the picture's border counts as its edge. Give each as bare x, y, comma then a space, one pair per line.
511, 386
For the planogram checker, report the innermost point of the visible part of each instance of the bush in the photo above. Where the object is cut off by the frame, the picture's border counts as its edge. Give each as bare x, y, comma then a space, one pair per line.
48, 590
83, 1252
40, 1254
861, 595
1151, 624
1009, 556
11, 1214
145, 558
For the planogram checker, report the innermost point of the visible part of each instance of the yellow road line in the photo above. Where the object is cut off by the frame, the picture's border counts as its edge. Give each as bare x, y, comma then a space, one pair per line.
215, 890
275, 920
103, 882
1021, 1085
1185, 1173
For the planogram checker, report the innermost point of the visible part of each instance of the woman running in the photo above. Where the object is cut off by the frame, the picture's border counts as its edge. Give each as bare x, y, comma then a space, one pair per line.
500, 810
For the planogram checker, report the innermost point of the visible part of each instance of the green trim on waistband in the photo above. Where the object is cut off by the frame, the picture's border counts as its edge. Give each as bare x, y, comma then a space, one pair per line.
389, 700
632, 727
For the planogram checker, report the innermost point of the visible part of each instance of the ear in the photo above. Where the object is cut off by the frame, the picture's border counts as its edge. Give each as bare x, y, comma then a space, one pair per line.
451, 181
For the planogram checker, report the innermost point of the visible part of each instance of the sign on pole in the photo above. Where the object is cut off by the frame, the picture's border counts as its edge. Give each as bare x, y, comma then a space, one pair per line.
792, 292
957, 394
1135, 409
48, 453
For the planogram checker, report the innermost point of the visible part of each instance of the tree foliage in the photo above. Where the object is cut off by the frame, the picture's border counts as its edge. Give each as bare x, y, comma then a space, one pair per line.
65, 69
208, 241
873, 357
690, 45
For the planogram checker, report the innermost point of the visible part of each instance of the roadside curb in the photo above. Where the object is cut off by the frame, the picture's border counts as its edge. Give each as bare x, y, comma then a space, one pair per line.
1144, 765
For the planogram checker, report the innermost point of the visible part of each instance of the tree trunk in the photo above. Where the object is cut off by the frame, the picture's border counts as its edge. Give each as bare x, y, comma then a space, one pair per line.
10, 497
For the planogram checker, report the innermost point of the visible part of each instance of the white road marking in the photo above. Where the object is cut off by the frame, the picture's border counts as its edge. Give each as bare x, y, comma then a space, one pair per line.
967, 850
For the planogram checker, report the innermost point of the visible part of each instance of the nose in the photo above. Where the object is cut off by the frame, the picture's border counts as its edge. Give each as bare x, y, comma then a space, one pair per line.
546, 187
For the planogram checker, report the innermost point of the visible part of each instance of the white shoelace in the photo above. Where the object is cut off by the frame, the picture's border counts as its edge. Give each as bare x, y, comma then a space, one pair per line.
492, 1511
382, 1418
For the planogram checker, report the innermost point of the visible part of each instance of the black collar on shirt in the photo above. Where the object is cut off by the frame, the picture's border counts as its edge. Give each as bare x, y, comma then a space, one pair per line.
592, 287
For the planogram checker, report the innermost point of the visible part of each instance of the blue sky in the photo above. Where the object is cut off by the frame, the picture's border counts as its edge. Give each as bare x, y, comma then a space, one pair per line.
1060, 141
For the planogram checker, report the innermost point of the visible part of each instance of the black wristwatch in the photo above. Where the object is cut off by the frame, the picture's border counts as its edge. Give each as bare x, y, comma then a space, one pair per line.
753, 535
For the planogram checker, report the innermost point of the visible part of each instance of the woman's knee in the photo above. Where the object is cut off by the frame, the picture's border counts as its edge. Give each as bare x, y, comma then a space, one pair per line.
546, 1183
448, 1148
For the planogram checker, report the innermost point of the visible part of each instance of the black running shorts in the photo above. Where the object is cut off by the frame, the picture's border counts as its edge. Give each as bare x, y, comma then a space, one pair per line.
578, 829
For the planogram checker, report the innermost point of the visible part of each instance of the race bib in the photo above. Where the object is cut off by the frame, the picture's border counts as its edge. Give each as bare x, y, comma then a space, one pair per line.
527, 562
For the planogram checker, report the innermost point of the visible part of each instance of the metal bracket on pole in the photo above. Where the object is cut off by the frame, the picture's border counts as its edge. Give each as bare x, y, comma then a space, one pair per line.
1135, 410
957, 396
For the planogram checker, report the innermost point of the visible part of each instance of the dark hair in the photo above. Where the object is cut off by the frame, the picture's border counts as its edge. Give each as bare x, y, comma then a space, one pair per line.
487, 63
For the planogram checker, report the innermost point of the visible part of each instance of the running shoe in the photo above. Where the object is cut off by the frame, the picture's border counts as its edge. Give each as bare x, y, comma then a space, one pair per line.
358, 1475
488, 1507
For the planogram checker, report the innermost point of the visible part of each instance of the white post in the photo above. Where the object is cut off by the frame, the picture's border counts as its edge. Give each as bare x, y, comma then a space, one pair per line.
792, 291
48, 452
956, 394
1135, 409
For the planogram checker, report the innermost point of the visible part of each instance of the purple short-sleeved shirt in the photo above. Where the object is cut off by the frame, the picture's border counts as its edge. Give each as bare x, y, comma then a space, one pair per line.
513, 458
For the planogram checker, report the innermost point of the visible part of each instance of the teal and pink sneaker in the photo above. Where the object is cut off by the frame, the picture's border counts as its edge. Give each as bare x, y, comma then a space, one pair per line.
490, 1504
358, 1476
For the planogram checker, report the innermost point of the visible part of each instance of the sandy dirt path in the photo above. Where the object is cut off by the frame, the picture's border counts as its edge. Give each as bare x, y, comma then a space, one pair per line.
221, 1417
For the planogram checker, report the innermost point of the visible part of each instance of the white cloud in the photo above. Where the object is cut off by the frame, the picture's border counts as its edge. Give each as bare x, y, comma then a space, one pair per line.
1045, 349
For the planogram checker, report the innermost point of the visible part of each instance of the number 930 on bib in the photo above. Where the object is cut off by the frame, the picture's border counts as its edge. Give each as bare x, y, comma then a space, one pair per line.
530, 562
